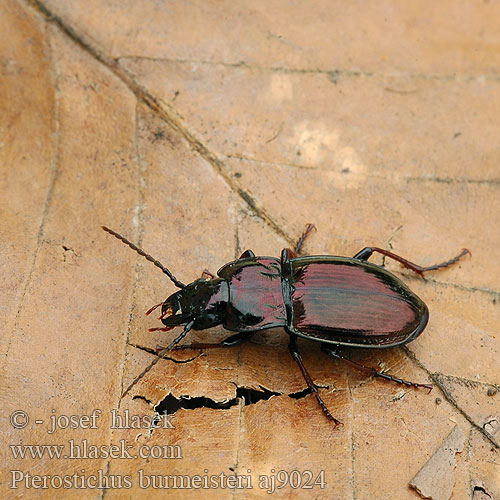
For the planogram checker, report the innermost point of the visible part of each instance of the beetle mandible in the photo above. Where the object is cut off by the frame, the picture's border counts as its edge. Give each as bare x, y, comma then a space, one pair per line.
337, 301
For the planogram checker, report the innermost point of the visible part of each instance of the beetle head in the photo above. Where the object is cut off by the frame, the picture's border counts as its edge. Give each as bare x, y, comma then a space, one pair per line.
203, 301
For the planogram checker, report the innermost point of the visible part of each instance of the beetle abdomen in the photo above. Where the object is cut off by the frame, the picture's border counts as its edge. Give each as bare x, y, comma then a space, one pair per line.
351, 302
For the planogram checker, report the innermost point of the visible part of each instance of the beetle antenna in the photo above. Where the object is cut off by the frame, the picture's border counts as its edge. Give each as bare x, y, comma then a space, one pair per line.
161, 355
157, 263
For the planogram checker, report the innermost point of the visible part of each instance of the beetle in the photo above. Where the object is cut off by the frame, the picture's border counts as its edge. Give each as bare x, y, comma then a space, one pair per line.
337, 301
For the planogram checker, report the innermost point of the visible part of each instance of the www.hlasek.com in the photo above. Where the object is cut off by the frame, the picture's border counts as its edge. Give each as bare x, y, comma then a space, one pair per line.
272, 482
84, 450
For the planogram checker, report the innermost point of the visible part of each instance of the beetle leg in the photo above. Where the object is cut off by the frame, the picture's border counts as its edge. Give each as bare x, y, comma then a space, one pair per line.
247, 253
292, 254
374, 372
207, 274
367, 252
231, 341
294, 350
161, 354
299, 244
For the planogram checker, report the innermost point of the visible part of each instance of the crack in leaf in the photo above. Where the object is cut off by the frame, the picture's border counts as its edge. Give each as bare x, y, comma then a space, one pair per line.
164, 111
170, 403
439, 380
480, 493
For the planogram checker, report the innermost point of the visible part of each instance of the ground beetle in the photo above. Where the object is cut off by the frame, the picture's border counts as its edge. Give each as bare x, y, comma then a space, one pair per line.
338, 301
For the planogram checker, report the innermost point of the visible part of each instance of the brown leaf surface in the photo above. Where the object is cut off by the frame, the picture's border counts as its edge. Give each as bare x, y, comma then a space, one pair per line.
200, 130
